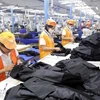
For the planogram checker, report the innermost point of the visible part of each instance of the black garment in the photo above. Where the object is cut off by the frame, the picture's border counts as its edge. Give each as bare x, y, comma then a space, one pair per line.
45, 72
24, 71
89, 73
89, 48
75, 73
86, 53
36, 89
63, 52
83, 52
91, 41
29, 53
77, 40
26, 36
36, 47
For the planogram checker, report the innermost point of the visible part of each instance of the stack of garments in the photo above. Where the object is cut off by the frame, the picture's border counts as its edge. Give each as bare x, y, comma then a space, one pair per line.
29, 53
72, 79
89, 48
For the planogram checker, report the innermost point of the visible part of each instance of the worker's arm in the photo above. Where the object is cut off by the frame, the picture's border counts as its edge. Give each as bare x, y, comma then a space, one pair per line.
55, 44
66, 38
7, 68
45, 48
18, 61
69, 38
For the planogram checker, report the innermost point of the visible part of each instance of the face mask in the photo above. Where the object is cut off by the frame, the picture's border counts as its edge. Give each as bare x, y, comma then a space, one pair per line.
70, 27
51, 30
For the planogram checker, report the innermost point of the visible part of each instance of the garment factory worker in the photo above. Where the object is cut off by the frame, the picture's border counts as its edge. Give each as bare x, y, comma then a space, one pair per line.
88, 23
46, 41
8, 54
67, 35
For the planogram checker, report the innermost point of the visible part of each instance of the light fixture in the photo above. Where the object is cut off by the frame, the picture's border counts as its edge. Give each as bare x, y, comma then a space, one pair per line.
96, 8
0, 4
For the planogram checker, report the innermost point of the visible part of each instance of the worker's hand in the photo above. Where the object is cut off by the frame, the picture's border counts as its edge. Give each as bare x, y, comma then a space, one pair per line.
9, 67
18, 62
72, 39
57, 49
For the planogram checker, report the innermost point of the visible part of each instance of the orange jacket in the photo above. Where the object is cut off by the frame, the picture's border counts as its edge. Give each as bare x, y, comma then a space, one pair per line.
68, 35
14, 60
49, 43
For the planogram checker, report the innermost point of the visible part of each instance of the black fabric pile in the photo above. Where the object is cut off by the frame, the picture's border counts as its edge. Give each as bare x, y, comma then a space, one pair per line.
35, 89
89, 73
77, 40
36, 47
91, 41
24, 71
68, 80
89, 48
29, 53
26, 36
63, 52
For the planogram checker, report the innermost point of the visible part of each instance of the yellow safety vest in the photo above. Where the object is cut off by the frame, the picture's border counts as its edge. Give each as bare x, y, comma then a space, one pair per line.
68, 35
49, 43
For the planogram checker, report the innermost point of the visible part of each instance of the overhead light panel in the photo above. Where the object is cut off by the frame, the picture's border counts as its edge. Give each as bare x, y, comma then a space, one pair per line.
0, 4
96, 8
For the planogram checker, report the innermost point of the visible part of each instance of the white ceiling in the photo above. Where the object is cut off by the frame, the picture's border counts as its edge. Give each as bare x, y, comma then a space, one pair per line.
39, 5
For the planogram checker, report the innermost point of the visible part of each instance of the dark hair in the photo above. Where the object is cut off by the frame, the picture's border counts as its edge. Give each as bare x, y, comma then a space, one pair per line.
2, 44
48, 26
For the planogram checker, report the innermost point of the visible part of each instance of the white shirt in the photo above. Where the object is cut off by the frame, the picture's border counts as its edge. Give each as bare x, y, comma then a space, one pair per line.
6, 58
64, 33
57, 28
42, 40
86, 32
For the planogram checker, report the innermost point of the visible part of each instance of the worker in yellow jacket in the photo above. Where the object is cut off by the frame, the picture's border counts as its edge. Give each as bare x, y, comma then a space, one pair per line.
67, 35
8, 54
46, 41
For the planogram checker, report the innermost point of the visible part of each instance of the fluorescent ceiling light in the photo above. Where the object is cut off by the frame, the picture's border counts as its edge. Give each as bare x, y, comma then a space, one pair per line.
59, 14
11, 6
83, 7
70, 1
97, 16
0, 4
96, 8
79, 5
67, 5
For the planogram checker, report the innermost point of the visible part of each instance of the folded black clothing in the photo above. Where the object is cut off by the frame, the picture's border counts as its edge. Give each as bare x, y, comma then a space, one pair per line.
18, 70
59, 45
77, 40
72, 72
27, 36
35, 89
24, 70
29, 53
91, 41
63, 51
36, 47
89, 73
83, 50
86, 53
